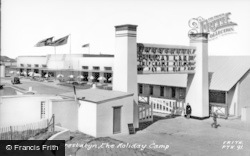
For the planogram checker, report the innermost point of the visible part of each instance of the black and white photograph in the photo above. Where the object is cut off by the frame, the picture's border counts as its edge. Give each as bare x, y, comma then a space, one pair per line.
125, 77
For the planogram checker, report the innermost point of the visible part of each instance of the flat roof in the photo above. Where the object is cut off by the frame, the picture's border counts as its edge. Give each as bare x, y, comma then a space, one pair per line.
98, 55
97, 95
168, 46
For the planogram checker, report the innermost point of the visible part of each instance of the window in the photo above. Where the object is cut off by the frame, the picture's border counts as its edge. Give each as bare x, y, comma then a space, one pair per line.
96, 76
22, 65
151, 90
44, 66
163, 107
160, 107
42, 109
217, 96
108, 77
85, 76
161, 91
36, 65
108, 68
28, 65
85, 67
140, 89
157, 106
96, 68
173, 92
182, 93
154, 105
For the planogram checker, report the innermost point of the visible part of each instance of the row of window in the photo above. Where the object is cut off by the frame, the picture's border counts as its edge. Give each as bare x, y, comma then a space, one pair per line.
162, 91
83, 67
96, 68
35, 65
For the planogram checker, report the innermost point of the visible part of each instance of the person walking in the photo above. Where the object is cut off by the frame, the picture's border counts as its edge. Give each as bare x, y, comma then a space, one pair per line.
188, 111
215, 116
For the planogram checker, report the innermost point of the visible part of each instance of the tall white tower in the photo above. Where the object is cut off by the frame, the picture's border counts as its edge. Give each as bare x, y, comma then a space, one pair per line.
197, 94
125, 64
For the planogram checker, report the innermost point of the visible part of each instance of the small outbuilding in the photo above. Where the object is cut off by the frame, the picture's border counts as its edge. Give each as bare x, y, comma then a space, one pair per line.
103, 112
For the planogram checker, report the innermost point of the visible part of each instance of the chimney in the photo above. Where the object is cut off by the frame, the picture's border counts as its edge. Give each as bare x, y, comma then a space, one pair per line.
197, 94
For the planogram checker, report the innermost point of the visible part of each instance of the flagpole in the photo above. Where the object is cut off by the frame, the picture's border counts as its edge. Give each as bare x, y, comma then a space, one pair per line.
70, 52
55, 60
89, 48
70, 44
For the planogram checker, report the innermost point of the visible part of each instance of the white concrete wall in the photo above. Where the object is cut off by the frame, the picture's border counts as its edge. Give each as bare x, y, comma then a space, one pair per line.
66, 113
87, 118
232, 100
22, 109
244, 95
2, 71
92, 61
245, 114
105, 116
40, 60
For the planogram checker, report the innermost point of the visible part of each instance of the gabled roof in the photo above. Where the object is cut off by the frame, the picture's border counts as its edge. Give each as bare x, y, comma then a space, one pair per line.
225, 72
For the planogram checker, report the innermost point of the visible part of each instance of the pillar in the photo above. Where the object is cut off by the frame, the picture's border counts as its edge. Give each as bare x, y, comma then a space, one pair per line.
101, 75
197, 94
89, 74
2, 70
125, 64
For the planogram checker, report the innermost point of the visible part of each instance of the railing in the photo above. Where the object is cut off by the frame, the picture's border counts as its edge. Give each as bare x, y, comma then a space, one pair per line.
222, 109
51, 124
145, 112
24, 132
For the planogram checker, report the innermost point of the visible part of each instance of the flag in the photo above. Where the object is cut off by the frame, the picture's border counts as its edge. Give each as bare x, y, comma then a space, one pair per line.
60, 41
85, 45
44, 42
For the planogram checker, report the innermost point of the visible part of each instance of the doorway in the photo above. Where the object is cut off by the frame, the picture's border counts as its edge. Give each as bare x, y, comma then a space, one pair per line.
117, 120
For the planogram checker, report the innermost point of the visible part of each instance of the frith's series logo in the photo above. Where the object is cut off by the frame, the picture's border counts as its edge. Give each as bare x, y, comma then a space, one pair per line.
216, 26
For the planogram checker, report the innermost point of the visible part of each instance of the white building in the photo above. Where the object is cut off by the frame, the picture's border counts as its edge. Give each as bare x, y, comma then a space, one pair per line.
171, 73
104, 113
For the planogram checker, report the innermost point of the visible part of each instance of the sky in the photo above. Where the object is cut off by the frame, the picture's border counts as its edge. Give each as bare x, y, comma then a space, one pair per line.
25, 22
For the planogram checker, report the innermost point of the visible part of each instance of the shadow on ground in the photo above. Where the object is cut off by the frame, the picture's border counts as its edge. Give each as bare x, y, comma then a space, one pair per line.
156, 118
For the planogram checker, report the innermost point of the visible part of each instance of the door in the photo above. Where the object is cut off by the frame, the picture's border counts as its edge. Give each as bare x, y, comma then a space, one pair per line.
117, 120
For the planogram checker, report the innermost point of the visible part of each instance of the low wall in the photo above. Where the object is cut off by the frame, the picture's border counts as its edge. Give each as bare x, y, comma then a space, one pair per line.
63, 134
245, 114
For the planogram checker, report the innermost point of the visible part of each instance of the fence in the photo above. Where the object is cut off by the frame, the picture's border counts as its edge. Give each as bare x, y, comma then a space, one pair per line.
145, 113
24, 132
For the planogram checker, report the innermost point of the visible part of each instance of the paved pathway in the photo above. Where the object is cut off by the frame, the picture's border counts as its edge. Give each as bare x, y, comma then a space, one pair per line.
195, 137
39, 87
